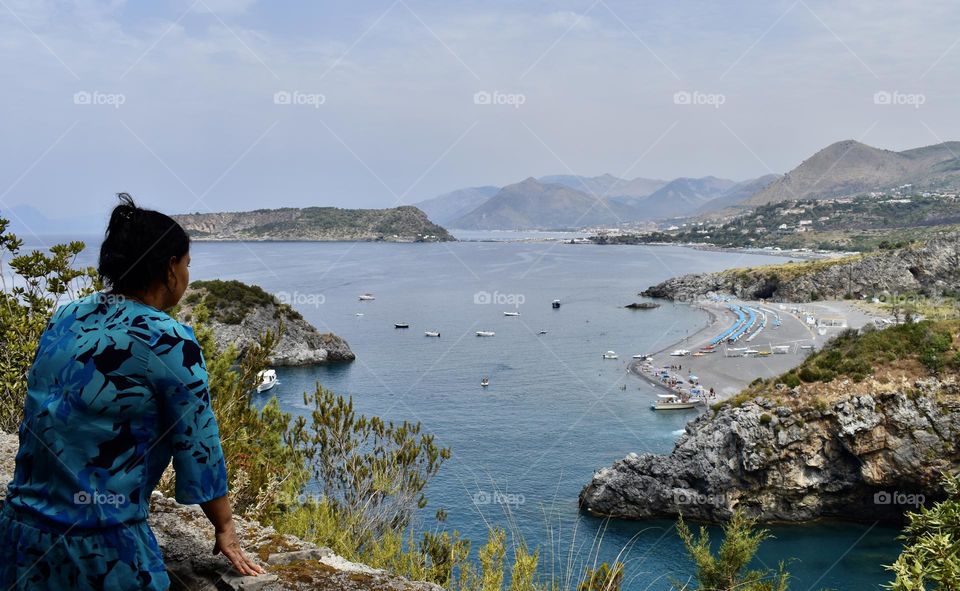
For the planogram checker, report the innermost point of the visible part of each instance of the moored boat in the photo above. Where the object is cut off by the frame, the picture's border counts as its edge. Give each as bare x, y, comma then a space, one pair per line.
268, 379
511, 313
672, 402
431, 333
367, 297
610, 355
401, 325
485, 333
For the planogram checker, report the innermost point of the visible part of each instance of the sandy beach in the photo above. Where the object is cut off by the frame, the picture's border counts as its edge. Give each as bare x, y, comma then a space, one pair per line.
728, 370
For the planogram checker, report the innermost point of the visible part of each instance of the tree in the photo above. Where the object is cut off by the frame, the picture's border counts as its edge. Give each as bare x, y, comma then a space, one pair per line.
728, 569
930, 560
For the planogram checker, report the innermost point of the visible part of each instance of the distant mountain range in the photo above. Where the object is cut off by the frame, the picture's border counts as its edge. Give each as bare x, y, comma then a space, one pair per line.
398, 224
569, 201
850, 167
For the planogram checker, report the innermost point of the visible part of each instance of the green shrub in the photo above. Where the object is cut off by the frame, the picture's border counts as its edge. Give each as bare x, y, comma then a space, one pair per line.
765, 419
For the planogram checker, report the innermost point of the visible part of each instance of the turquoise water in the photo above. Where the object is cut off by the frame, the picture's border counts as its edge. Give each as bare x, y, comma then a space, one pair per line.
555, 410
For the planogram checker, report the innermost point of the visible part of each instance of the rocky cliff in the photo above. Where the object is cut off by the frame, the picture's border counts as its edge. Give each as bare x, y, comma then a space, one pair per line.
932, 268
398, 224
240, 313
867, 450
186, 540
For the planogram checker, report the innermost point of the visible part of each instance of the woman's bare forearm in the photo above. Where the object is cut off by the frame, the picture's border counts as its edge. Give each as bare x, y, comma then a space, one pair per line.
219, 513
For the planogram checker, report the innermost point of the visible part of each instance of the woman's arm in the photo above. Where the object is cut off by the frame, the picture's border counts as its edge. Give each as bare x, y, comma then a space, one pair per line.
219, 513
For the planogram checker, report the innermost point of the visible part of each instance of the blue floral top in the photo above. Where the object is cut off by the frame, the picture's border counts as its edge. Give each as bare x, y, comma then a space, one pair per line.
117, 389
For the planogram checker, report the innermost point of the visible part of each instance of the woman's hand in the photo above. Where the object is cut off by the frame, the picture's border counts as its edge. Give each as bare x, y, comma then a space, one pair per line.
229, 545
219, 513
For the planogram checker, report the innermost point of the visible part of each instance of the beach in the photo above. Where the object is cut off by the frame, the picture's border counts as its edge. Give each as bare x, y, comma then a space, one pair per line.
730, 367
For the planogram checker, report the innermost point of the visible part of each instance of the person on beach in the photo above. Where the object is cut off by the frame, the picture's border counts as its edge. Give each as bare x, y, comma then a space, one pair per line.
117, 389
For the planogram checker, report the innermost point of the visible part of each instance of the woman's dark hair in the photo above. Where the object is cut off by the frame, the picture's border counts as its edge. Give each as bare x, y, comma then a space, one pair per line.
139, 243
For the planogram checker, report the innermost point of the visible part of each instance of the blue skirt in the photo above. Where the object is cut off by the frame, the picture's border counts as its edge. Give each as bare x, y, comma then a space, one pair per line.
38, 554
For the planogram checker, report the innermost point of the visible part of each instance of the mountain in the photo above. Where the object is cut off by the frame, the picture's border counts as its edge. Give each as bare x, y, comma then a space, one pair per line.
531, 204
737, 194
849, 167
606, 185
449, 206
683, 196
399, 224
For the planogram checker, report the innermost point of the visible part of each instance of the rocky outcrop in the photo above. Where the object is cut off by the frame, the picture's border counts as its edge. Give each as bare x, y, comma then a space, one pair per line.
930, 269
397, 224
240, 313
860, 457
186, 540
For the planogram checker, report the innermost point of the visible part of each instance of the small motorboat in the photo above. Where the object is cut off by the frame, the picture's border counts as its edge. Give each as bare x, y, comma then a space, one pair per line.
367, 297
610, 355
511, 313
642, 356
484, 382
672, 402
485, 333
555, 304
359, 314
401, 325
542, 332
680, 353
431, 333
268, 379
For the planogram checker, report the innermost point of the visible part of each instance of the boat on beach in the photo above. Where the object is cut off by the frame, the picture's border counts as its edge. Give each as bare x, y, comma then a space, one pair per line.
268, 379
680, 353
672, 402
485, 333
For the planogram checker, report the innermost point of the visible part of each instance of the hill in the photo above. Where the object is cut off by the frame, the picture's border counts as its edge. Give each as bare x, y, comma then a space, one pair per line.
683, 196
850, 167
450, 206
399, 224
531, 204
606, 185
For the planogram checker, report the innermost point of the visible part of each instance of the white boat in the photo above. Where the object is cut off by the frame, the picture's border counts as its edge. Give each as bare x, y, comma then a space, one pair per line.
359, 314
431, 333
485, 333
401, 325
542, 332
671, 402
511, 313
366, 297
268, 379
555, 304
485, 382
750, 352
642, 356
610, 355
680, 353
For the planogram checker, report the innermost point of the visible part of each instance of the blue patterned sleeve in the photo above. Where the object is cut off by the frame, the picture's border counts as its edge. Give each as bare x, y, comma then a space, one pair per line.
181, 384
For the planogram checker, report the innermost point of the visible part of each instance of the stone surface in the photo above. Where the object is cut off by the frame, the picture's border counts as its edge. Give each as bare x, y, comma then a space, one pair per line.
186, 540
821, 459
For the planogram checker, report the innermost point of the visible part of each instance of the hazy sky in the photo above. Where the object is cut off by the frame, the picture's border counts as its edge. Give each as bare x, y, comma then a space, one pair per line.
175, 100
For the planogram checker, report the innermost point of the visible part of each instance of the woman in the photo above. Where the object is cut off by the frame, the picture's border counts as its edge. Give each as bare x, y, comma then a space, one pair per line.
117, 389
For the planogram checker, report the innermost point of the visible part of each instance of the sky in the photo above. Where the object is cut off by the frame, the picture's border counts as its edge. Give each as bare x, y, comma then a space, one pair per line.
229, 105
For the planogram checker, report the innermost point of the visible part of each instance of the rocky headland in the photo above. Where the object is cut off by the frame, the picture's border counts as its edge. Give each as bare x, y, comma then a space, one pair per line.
931, 268
240, 313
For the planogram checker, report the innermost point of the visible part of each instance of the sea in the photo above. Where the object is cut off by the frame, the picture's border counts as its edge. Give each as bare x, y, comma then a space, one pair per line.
555, 410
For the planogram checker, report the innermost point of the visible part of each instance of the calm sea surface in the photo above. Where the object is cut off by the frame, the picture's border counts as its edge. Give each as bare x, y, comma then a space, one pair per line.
555, 410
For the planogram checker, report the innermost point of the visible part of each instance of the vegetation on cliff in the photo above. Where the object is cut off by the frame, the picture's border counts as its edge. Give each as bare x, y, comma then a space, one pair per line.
398, 224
